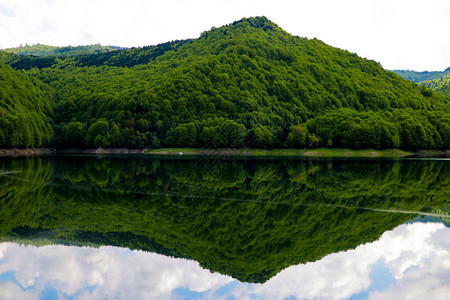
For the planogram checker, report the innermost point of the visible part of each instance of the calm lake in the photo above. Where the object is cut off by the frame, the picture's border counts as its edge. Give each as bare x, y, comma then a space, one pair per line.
142, 227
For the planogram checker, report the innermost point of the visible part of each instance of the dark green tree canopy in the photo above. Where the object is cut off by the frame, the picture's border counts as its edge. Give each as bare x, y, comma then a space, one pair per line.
25, 109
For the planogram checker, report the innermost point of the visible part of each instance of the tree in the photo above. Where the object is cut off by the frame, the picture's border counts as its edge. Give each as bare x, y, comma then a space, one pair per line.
74, 134
142, 125
232, 134
99, 128
114, 136
186, 135
313, 141
296, 137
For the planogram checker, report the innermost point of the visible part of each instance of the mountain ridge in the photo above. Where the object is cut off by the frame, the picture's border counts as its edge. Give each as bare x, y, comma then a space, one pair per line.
42, 50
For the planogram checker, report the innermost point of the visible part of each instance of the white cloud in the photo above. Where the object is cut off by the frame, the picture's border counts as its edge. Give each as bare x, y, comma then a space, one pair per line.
399, 34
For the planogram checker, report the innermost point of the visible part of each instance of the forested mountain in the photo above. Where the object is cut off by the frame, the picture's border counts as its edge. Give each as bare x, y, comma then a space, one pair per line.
45, 50
248, 83
441, 85
25, 106
437, 81
421, 76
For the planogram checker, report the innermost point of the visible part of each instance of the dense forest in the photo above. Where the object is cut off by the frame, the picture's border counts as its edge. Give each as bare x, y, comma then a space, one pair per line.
418, 77
441, 85
246, 218
245, 84
45, 50
25, 110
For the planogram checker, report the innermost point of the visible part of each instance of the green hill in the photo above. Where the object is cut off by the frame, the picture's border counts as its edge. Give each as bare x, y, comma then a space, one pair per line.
441, 85
418, 77
45, 50
436, 81
25, 107
249, 83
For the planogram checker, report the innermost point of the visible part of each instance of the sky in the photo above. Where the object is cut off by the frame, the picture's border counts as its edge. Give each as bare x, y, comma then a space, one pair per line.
400, 34
410, 262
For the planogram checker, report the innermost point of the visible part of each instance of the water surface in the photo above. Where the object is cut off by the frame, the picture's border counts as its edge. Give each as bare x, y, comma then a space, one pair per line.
144, 227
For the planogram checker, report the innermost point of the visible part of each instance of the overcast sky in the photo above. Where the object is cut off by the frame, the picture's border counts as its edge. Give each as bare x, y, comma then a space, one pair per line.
400, 34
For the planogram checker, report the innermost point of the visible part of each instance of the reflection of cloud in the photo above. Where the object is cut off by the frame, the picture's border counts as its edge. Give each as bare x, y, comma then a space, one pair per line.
416, 255
429, 279
10, 290
410, 252
110, 272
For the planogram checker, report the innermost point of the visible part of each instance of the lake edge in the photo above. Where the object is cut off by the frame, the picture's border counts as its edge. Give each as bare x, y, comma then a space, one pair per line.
247, 152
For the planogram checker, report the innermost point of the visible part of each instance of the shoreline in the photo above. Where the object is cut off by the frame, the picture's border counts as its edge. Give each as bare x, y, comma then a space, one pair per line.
19, 152
249, 152
245, 152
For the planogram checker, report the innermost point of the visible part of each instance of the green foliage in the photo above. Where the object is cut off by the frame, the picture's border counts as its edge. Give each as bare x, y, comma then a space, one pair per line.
25, 108
297, 137
114, 136
97, 134
246, 218
405, 128
441, 85
74, 134
232, 134
186, 135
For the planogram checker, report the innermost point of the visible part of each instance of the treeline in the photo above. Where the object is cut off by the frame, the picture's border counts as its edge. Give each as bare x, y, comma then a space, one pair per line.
246, 84
81, 57
25, 110
342, 128
46, 50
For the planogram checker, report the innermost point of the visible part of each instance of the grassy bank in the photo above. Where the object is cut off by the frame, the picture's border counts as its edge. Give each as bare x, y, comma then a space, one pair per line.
321, 152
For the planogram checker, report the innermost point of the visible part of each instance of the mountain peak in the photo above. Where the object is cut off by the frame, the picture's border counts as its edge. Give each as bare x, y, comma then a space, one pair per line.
256, 22
243, 24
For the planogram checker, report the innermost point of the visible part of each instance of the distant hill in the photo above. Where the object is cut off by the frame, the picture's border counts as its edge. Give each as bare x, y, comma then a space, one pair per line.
421, 76
45, 50
248, 83
436, 81
441, 85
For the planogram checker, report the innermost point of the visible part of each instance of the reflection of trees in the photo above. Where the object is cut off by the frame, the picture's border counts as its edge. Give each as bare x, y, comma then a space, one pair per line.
246, 218
24, 196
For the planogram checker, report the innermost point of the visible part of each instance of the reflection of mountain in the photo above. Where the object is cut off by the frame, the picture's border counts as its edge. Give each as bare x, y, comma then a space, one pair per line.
245, 218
